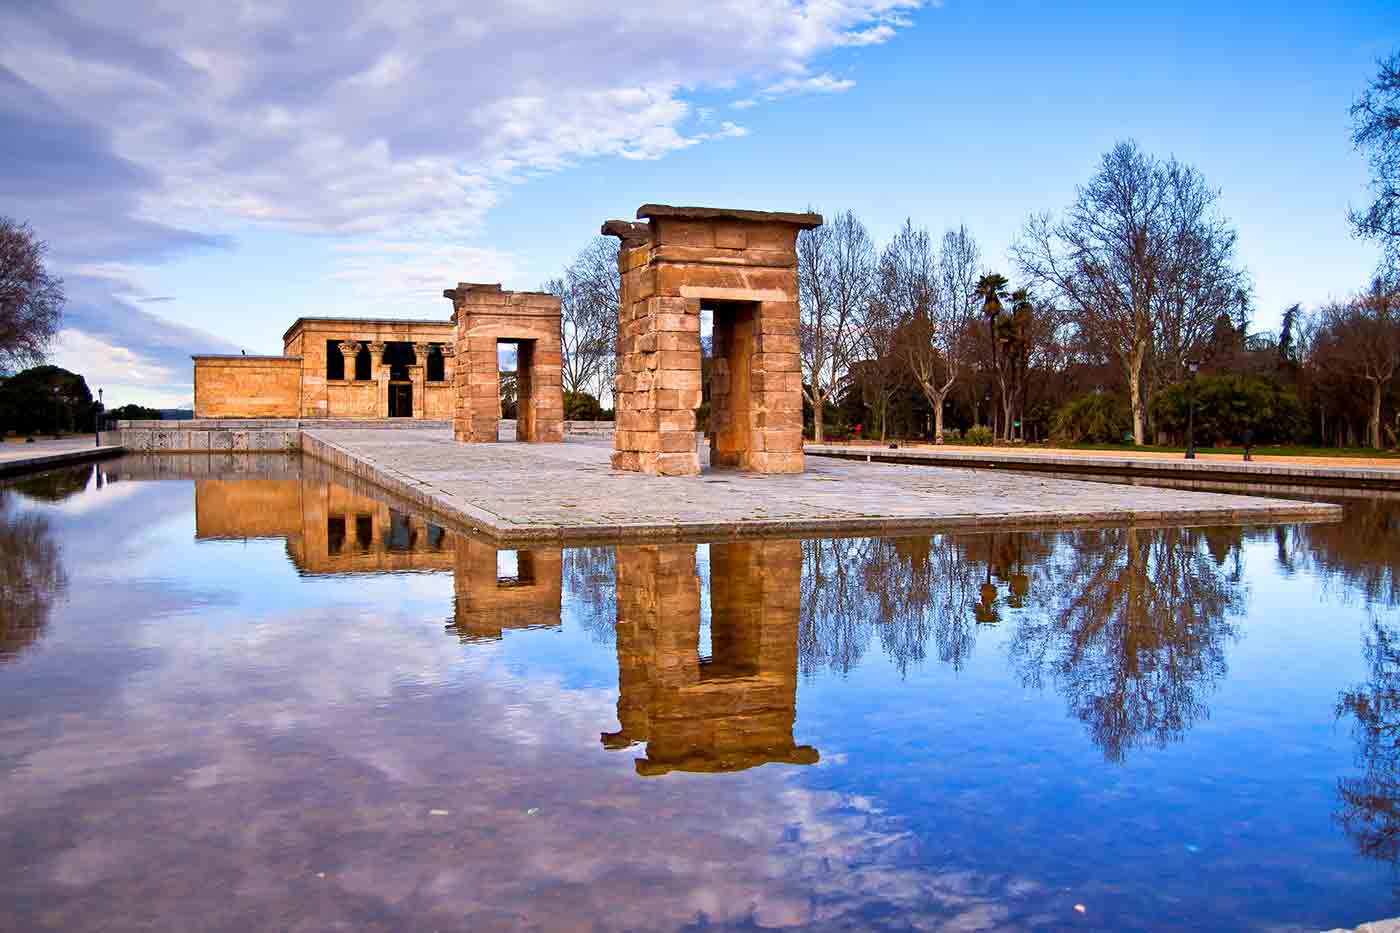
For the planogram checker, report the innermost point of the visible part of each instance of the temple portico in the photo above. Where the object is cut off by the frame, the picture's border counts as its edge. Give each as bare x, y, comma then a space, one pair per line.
336, 368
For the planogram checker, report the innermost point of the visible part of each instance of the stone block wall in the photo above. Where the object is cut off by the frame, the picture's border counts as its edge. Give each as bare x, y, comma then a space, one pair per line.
247, 386
485, 317
742, 266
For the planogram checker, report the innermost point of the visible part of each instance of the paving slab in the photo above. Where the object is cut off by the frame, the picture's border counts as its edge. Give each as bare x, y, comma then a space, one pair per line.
569, 492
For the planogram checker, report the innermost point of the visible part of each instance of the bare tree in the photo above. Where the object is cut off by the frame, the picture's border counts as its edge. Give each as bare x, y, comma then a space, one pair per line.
835, 266
933, 300
1362, 339
588, 309
1200, 284
1376, 130
31, 299
878, 369
594, 279
1141, 240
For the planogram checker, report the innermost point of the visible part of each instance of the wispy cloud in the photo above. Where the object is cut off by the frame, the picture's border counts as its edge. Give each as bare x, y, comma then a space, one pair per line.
796, 84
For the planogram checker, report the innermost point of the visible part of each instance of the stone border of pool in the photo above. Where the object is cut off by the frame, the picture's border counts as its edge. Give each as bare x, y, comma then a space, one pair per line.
1251, 472
18, 466
426, 495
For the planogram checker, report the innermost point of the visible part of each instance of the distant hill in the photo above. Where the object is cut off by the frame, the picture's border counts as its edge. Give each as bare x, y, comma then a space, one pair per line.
176, 414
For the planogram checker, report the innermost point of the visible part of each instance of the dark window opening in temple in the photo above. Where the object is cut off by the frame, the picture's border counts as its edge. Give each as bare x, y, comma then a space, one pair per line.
362, 364
436, 369
437, 536
515, 568
398, 356
364, 531
335, 361
401, 535
335, 534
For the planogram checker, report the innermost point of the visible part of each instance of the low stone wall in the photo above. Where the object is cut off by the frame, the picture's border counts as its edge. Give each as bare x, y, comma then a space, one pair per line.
276, 434
599, 428
235, 434
202, 435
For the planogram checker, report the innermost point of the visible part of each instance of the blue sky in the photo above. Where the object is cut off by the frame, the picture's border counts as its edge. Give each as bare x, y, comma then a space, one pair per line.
205, 174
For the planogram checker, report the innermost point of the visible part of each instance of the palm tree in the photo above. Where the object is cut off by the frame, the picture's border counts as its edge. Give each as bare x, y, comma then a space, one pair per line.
991, 288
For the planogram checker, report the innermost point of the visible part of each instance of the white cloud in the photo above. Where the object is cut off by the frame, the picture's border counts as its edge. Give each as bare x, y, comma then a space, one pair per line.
809, 84
124, 374
183, 122
362, 117
798, 83
412, 273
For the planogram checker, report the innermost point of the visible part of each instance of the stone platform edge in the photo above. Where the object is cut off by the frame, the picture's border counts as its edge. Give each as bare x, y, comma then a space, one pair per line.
463, 513
267, 435
23, 465
1253, 472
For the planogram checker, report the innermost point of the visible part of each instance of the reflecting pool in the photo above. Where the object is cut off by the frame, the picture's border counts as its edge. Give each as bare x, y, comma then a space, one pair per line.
251, 693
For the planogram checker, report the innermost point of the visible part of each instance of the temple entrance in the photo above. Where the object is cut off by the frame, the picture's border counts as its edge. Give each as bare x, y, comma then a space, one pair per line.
517, 385
400, 400
731, 350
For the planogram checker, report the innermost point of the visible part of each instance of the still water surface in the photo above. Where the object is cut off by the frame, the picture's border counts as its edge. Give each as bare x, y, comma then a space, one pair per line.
277, 700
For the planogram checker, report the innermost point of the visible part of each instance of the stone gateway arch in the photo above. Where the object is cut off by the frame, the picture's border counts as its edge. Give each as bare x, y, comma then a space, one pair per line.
741, 267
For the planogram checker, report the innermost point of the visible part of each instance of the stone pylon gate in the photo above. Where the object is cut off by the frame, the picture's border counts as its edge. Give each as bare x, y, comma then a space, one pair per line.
486, 316
741, 266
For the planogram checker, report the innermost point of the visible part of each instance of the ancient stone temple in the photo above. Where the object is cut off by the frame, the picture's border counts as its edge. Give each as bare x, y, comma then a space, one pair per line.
335, 368
734, 709
740, 267
486, 317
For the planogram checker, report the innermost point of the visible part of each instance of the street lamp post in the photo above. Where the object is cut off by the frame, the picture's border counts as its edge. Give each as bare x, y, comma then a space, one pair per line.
1194, 368
57, 415
97, 422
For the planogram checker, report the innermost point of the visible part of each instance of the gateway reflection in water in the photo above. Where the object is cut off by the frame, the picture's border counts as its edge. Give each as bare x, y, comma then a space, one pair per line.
729, 711
1178, 728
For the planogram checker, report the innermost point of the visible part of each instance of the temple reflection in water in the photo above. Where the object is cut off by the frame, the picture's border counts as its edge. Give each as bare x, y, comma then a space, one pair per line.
734, 709
731, 710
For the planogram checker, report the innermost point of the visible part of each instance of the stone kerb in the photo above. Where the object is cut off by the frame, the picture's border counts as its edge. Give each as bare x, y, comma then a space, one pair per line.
486, 315
681, 260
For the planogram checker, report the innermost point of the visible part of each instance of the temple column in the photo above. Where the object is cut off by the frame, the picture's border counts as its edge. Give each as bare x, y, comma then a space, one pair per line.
379, 372
449, 362
416, 374
349, 349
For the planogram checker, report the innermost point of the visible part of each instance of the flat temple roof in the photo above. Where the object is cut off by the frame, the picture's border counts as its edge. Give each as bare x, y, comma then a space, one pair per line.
391, 321
805, 221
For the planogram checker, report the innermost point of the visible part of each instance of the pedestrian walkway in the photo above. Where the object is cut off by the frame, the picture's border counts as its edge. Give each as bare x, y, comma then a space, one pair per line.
1368, 472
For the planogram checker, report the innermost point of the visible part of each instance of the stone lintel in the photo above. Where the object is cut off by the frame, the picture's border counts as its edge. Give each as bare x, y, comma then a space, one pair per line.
801, 221
734, 294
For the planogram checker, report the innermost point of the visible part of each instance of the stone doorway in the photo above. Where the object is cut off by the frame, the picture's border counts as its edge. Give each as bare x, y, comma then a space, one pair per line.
527, 396
742, 266
400, 400
732, 346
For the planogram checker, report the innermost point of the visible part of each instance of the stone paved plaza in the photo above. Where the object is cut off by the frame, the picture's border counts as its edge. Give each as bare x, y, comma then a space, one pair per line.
569, 491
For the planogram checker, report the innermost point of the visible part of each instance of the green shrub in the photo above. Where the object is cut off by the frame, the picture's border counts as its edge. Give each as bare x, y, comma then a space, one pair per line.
582, 406
979, 435
1227, 407
1096, 418
952, 435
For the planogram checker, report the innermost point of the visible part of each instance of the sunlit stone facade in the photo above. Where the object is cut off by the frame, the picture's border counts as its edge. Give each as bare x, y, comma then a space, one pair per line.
336, 368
